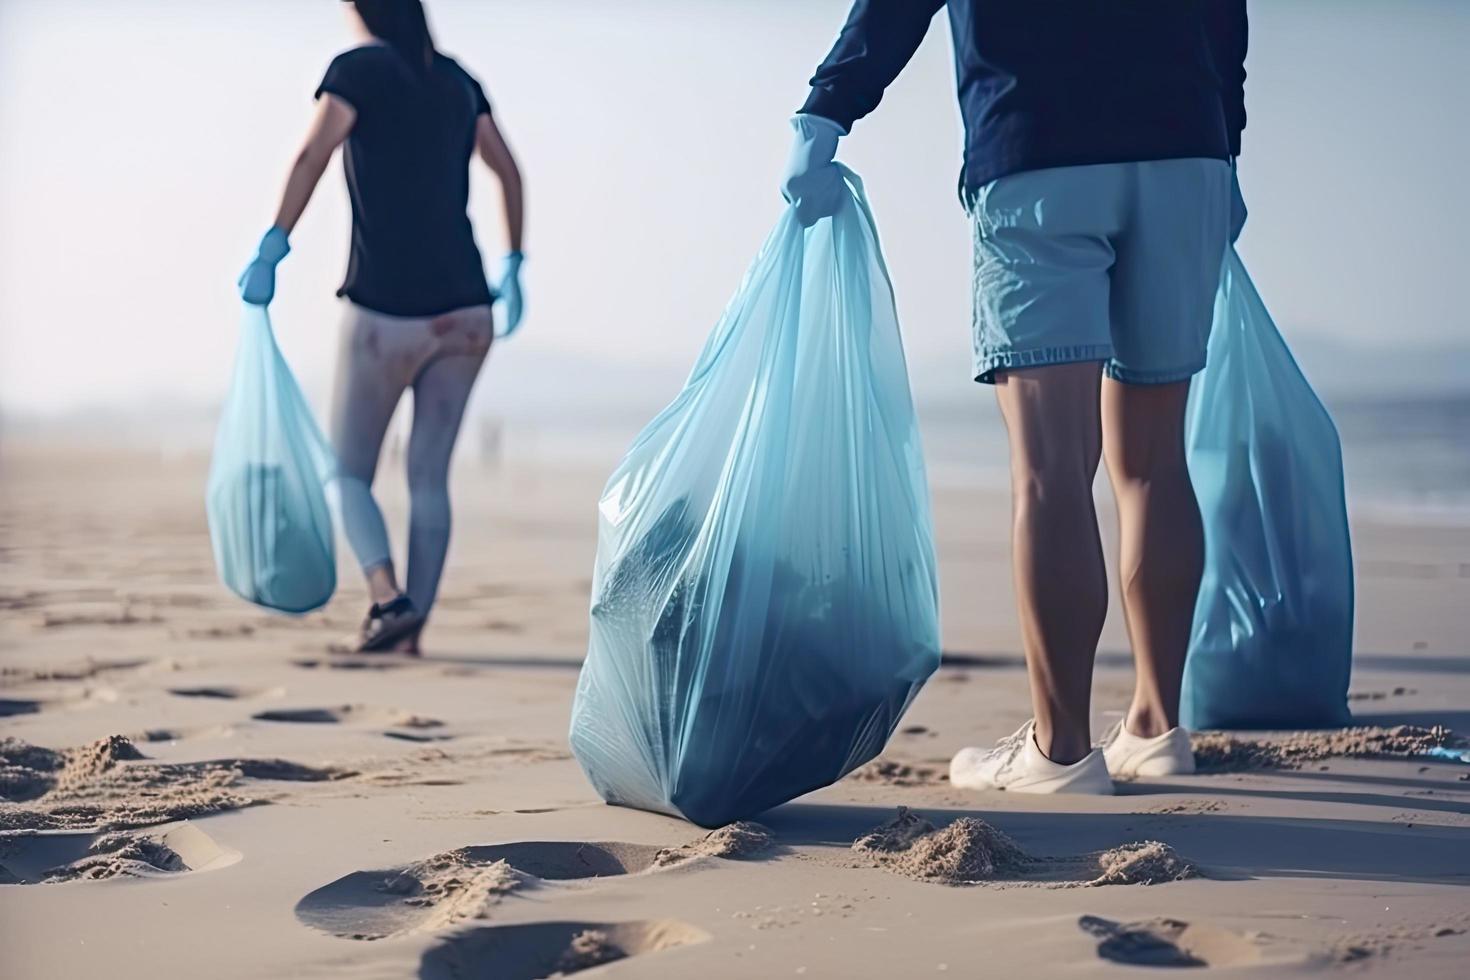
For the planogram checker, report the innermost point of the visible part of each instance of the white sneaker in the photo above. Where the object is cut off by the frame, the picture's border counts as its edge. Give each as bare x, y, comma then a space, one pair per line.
1018, 765
1129, 756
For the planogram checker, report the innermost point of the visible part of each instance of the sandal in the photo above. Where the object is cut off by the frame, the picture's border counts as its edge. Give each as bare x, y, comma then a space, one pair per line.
387, 624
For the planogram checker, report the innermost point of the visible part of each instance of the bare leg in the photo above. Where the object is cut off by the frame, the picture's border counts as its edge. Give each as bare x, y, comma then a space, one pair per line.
1162, 541
1051, 415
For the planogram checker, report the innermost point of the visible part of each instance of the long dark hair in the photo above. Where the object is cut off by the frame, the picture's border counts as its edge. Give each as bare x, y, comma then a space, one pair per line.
403, 24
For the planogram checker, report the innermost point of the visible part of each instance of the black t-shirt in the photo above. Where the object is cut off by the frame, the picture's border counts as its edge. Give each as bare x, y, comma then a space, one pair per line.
407, 163
1058, 83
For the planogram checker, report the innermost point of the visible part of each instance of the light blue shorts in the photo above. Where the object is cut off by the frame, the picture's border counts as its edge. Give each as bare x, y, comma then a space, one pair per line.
1115, 262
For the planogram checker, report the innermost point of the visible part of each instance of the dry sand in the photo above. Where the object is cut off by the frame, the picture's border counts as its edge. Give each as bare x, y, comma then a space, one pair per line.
191, 787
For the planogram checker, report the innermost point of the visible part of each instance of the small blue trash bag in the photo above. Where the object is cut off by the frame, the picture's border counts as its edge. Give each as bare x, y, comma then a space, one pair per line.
268, 515
764, 602
1273, 628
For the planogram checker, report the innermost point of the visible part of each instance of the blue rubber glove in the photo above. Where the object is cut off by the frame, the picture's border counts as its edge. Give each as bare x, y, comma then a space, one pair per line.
1238, 211
258, 281
813, 184
509, 292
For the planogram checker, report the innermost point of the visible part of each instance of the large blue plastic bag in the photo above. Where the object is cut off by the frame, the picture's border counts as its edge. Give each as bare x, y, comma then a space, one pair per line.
268, 515
1273, 629
764, 604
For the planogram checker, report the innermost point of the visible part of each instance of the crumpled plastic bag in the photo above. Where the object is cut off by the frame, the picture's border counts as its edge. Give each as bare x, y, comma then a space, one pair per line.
268, 516
1273, 628
764, 603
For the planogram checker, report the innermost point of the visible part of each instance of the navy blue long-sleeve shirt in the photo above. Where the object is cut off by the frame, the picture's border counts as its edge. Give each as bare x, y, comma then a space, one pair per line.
1056, 83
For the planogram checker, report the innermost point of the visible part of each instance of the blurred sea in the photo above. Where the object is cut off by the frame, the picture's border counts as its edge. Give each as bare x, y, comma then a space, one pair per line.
1407, 459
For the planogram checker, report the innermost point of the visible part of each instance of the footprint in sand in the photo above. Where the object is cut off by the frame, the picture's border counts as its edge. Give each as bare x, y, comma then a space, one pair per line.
238, 631
542, 949
88, 698
343, 714
224, 692
350, 663
10, 707
49, 858
420, 737
124, 615
83, 671
1169, 942
181, 734
456, 886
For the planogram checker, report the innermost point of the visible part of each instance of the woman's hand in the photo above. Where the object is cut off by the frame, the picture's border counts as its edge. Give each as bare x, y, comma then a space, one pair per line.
813, 184
258, 281
509, 291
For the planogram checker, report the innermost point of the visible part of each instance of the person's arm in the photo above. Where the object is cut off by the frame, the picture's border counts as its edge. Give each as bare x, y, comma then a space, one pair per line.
877, 41
497, 156
330, 128
1227, 27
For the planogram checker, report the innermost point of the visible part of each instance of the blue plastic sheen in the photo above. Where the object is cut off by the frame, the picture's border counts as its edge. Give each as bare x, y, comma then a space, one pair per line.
268, 515
765, 596
1273, 628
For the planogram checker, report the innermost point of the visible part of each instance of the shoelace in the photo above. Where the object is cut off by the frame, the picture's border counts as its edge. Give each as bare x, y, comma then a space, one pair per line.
1011, 747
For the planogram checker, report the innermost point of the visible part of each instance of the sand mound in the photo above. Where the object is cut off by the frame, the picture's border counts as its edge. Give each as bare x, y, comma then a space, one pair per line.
971, 851
735, 842
1223, 752
1143, 863
99, 757
896, 835
28, 772
967, 851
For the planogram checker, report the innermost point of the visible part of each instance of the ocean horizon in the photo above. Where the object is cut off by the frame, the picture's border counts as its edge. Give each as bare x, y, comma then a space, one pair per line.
1406, 457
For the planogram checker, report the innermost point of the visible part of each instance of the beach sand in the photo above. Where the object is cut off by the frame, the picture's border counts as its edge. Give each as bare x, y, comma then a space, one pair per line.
194, 788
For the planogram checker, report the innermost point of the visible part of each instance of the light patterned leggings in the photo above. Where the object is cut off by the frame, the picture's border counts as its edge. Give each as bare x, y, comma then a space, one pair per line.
381, 357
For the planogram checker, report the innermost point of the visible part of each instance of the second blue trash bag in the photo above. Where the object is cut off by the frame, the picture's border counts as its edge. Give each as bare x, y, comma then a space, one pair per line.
764, 606
268, 515
1273, 627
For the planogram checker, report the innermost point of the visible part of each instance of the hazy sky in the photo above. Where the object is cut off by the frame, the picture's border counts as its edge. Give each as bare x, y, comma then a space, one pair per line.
143, 142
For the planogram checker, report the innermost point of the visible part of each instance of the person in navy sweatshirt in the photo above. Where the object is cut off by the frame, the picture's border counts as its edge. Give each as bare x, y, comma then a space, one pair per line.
1100, 145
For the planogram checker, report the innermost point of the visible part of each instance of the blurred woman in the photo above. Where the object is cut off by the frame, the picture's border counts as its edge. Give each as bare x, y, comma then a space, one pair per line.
418, 312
